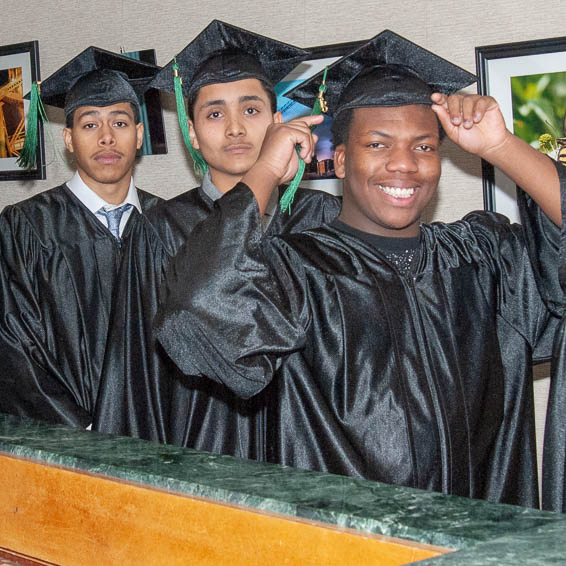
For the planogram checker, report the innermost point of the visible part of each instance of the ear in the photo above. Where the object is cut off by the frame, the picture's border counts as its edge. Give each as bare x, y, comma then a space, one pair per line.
278, 118
139, 135
193, 135
68, 139
340, 161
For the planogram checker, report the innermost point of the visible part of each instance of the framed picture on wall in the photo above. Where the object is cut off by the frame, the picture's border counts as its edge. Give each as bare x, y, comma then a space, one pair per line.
151, 115
19, 67
528, 79
322, 167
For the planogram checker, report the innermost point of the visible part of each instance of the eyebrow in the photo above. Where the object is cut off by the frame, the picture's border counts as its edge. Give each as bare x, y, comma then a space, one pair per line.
112, 113
218, 102
250, 98
389, 136
222, 102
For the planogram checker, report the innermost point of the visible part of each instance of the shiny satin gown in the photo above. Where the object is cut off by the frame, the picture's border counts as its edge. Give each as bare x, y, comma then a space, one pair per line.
59, 269
547, 246
423, 381
143, 393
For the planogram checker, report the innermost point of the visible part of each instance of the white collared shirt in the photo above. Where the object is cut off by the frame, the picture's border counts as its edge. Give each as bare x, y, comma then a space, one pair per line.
94, 202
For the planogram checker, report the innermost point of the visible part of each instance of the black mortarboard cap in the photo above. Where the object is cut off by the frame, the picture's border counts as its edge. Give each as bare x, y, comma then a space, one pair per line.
97, 77
224, 53
388, 70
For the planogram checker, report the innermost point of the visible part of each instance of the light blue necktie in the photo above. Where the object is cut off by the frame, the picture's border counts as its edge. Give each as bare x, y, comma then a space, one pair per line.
113, 217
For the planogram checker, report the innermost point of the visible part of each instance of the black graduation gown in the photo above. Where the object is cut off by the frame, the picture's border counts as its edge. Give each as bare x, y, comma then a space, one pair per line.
144, 393
58, 269
372, 374
547, 244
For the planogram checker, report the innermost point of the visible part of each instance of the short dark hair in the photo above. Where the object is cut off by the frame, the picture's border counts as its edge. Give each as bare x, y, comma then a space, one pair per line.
70, 119
267, 87
341, 127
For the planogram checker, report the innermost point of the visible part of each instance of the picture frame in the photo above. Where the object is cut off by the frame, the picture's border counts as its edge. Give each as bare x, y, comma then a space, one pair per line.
151, 113
518, 76
19, 67
320, 173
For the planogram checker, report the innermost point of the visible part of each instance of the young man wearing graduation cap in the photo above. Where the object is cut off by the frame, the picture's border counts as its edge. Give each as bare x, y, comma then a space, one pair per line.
389, 349
228, 76
62, 249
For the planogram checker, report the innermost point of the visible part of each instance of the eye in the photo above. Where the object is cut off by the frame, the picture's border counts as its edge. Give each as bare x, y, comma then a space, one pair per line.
425, 147
251, 111
121, 124
89, 126
215, 115
376, 145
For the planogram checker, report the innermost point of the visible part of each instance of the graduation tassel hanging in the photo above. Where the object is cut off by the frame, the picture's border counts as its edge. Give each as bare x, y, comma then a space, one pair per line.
200, 165
28, 154
318, 107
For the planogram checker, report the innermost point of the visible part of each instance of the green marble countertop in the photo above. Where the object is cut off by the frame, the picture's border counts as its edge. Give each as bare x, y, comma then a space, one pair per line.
484, 533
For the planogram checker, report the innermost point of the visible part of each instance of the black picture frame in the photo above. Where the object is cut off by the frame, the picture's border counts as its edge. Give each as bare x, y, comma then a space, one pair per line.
155, 142
19, 62
319, 57
495, 64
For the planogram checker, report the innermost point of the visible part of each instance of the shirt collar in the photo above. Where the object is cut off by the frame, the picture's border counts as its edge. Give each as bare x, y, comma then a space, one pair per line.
213, 193
94, 202
209, 188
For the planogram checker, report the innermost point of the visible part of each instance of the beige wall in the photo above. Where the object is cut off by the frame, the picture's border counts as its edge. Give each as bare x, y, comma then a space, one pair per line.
451, 29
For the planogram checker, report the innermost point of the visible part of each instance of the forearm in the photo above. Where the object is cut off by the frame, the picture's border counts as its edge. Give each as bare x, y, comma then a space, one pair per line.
533, 171
223, 314
262, 182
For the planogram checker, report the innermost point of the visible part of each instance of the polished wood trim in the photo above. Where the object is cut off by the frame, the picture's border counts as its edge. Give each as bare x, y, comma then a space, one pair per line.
71, 517
11, 557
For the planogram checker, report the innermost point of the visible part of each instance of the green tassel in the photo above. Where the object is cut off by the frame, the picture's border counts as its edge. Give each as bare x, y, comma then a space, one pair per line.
28, 155
318, 107
200, 165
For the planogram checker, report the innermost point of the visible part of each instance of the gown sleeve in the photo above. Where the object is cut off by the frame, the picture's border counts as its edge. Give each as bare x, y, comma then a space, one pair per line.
238, 342
310, 209
547, 246
31, 381
502, 247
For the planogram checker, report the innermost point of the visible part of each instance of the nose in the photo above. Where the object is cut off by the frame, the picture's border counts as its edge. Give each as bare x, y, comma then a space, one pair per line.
106, 135
401, 159
234, 125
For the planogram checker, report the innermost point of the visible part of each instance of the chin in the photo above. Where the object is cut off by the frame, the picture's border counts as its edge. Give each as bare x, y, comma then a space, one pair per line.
108, 179
239, 171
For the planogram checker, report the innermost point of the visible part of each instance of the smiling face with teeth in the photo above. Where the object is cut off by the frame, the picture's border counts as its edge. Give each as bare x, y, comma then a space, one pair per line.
391, 167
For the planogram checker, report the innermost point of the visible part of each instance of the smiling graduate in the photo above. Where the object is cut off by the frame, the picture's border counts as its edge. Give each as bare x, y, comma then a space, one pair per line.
61, 250
389, 349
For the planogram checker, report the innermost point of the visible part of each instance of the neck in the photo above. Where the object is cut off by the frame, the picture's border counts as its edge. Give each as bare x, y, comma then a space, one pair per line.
224, 182
363, 224
112, 193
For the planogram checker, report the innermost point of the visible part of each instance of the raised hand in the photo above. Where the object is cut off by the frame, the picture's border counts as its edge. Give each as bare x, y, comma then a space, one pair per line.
278, 160
278, 150
474, 122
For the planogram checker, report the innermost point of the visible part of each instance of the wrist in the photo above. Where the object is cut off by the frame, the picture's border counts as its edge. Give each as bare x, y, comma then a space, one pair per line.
261, 180
497, 152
